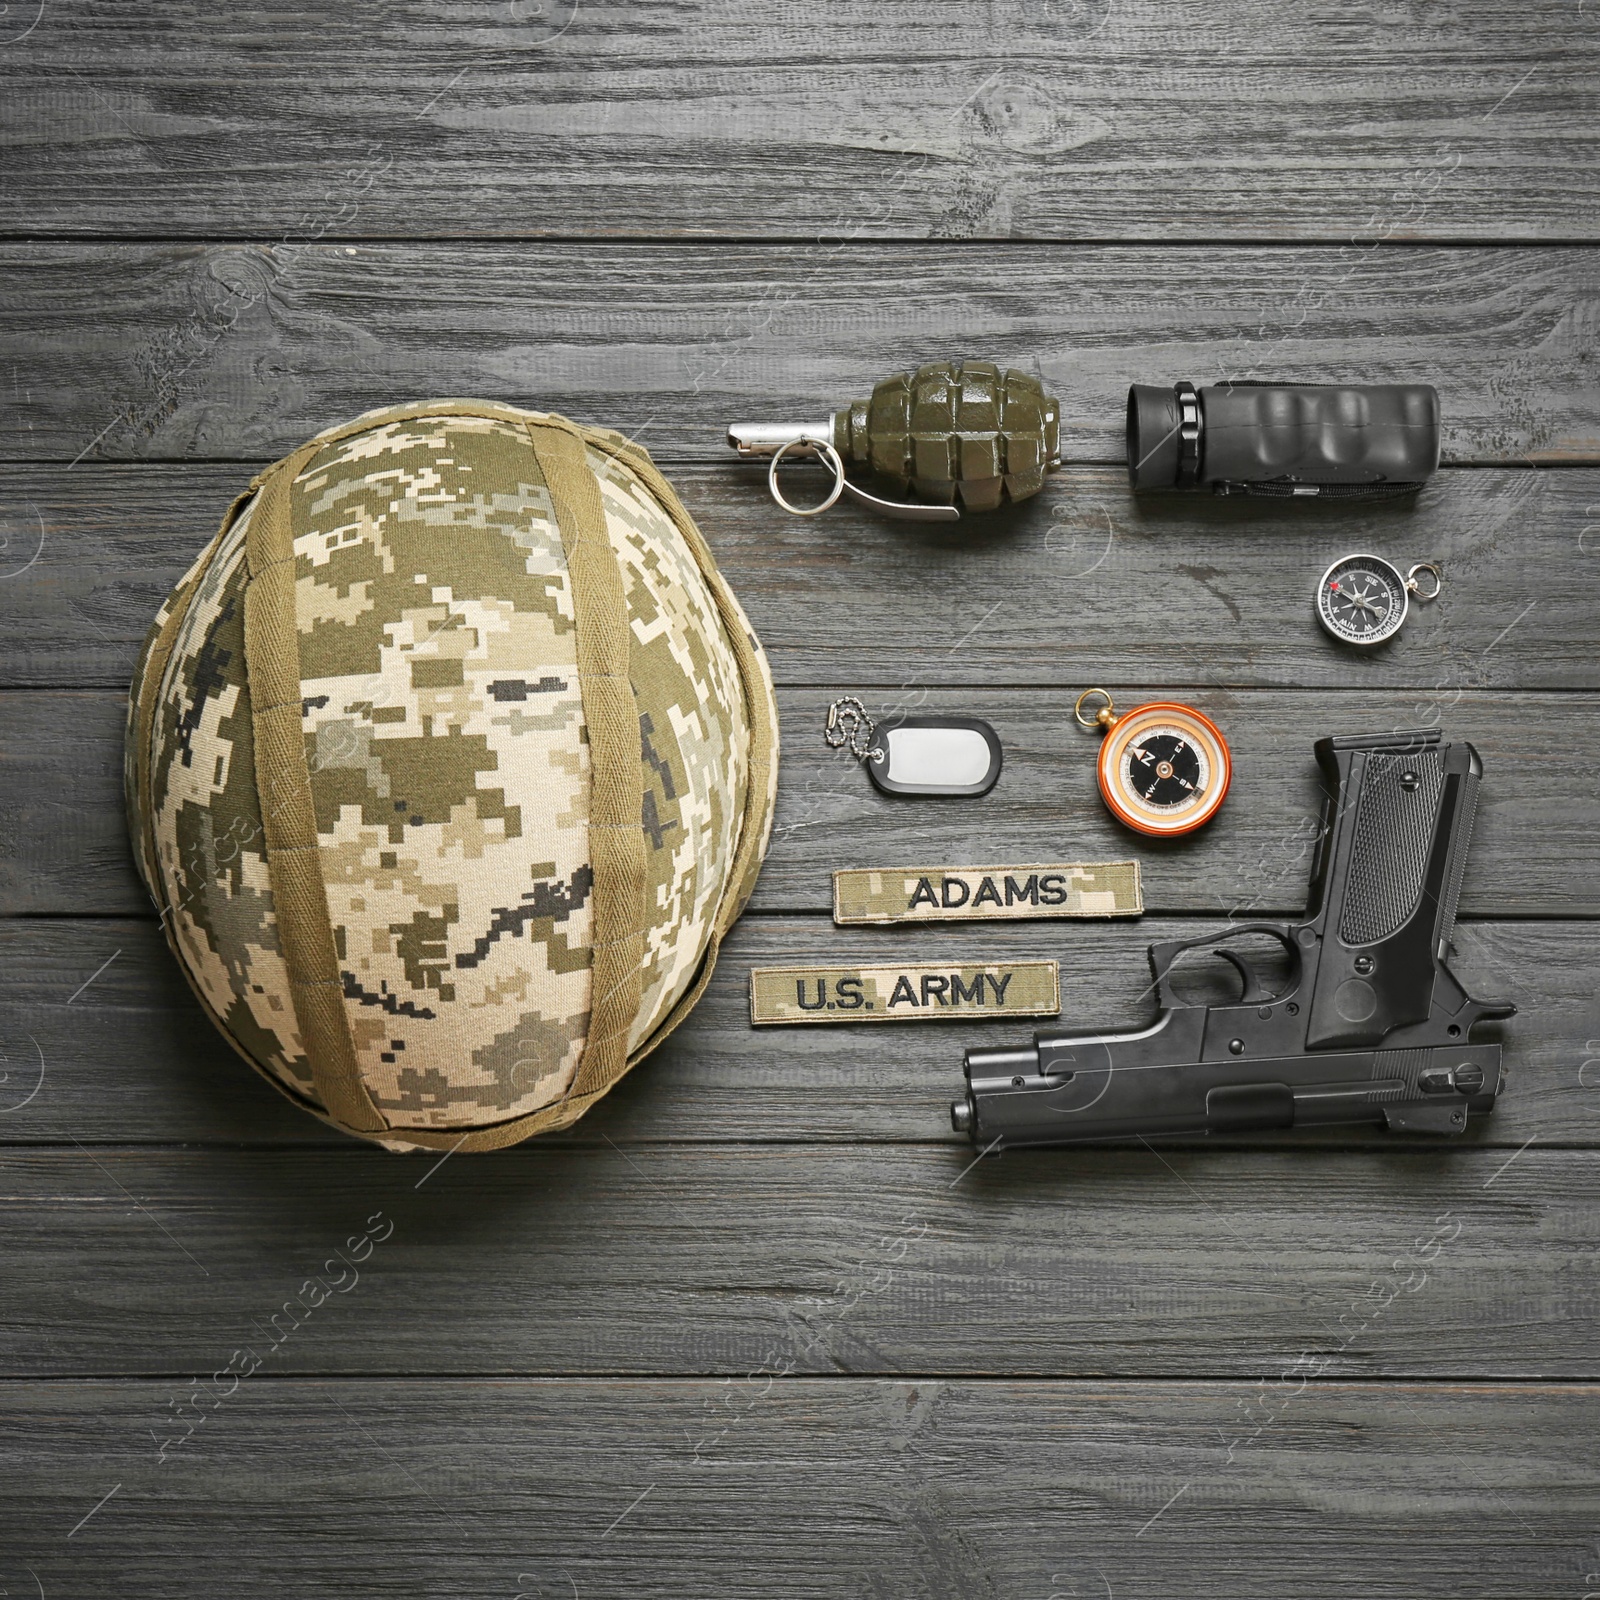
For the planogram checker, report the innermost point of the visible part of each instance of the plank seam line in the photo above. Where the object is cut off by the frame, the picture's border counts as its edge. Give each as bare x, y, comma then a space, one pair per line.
1450, 1381
675, 463
689, 241
1238, 1145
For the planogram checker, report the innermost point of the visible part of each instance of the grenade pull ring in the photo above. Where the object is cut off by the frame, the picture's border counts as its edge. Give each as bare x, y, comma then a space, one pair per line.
959, 434
810, 447
757, 439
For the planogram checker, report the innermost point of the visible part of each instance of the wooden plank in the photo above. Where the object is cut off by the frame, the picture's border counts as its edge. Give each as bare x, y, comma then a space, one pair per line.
902, 118
101, 1041
898, 1489
1536, 846
243, 351
1060, 593
555, 1259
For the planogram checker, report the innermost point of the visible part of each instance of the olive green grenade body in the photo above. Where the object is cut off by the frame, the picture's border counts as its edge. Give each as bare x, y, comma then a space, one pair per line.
951, 429
450, 763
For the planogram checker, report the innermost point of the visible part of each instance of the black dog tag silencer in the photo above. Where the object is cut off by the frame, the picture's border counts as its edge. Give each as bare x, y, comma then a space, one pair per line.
906, 754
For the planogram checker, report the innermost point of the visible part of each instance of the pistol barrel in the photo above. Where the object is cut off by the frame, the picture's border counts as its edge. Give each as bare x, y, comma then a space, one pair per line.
1013, 1102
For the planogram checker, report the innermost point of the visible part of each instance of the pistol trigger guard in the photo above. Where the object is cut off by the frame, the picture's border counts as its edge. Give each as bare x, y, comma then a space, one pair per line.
1163, 956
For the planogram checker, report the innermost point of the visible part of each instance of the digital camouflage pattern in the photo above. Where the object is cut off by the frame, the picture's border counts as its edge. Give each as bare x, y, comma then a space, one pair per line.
904, 994
979, 894
449, 765
206, 842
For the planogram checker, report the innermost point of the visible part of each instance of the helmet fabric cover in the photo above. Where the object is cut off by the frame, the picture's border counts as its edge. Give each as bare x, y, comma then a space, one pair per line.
450, 762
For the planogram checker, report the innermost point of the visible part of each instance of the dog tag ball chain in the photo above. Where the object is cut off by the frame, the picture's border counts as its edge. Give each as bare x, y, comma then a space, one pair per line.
1363, 600
1164, 768
917, 755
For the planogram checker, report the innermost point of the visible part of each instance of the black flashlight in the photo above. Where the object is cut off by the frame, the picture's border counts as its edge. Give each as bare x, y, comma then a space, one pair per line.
1313, 440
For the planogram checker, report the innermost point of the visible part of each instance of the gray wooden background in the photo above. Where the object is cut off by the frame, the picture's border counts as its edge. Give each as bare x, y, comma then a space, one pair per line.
758, 1326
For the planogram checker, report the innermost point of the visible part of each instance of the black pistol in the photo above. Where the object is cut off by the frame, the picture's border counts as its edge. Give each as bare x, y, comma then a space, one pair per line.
1371, 1025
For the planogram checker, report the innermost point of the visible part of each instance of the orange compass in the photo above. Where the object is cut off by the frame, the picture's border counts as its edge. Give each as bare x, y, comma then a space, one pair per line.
1164, 767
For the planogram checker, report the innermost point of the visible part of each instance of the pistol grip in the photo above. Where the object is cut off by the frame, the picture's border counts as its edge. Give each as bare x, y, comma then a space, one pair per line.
1400, 825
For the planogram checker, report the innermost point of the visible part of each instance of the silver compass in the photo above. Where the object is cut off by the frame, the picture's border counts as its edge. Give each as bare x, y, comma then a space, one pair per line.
1363, 600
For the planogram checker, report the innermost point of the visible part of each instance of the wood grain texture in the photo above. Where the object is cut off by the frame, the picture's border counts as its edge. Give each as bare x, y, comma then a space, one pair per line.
1007, 119
244, 351
1083, 583
759, 1324
898, 1490
120, 1052
848, 1259
1536, 844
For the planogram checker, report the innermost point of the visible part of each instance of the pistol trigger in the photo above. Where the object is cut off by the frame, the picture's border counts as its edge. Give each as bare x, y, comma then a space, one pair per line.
1254, 993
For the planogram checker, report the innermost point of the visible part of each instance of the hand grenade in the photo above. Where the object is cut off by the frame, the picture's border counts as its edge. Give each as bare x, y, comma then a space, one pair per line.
950, 431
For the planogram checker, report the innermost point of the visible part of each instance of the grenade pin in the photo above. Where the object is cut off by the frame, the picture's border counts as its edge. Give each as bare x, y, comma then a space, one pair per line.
969, 431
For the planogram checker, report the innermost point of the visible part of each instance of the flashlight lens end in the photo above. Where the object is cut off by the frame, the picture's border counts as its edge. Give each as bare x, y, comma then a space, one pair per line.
1152, 434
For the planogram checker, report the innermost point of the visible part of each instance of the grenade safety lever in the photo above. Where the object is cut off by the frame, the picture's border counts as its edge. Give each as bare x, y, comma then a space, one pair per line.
966, 431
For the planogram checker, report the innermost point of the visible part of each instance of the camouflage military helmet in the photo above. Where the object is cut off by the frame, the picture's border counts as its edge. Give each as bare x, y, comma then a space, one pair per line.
450, 762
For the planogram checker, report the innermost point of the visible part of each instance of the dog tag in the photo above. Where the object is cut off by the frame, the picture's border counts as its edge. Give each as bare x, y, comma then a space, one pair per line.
907, 754
935, 755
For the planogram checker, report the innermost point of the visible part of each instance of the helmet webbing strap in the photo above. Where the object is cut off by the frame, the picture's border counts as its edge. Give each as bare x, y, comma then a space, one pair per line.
288, 813
616, 782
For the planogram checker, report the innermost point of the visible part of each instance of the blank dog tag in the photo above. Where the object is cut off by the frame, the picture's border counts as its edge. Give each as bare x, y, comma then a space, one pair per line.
935, 755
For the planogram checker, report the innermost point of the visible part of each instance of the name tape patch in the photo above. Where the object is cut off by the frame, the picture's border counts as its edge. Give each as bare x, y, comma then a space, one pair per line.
974, 894
900, 993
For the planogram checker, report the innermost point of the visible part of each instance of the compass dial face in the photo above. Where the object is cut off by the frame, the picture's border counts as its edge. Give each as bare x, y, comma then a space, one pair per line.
1362, 600
1164, 769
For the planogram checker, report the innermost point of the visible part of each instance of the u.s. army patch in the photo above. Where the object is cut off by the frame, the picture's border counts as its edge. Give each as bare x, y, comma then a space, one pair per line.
970, 894
899, 993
